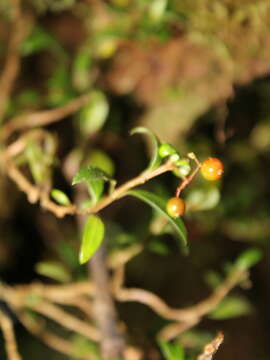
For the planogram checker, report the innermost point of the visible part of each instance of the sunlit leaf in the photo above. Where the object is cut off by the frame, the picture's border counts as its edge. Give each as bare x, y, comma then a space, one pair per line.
54, 270
159, 204
156, 159
93, 235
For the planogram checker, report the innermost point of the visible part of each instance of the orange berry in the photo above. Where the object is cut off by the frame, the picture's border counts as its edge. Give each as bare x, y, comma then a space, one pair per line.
212, 169
175, 207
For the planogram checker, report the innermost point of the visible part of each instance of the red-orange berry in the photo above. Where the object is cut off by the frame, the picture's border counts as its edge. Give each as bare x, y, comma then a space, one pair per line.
175, 207
212, 169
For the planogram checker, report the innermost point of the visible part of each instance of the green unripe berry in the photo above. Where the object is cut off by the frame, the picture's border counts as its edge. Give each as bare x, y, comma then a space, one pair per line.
183, 171
166, 150
174, 158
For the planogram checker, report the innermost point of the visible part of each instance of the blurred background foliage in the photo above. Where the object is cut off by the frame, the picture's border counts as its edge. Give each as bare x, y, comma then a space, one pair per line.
196, 73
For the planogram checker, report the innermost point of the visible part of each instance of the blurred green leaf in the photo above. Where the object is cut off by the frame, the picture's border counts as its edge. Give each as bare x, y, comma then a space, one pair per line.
231, 307
37, 162
39, 40
81, 69
159, 204
54, 270
101, 160
172, 351
248, 259
60, 197
89, 173
156, 159
93, 235
60, 89
200, 199
82, 347
157, 9
93, 116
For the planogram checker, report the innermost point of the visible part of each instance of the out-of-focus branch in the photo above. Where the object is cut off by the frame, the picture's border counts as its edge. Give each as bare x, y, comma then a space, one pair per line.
34, 193
185, 318
66, 320
52, 340
20, 28
42, 118
211, 348
9, 336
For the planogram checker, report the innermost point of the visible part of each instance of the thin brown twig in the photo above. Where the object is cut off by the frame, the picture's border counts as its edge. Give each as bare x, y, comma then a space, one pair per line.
42, 118
9, 336
21, 26
188, 314
211, 348
35, 194
188, 179
66, 320
53, 341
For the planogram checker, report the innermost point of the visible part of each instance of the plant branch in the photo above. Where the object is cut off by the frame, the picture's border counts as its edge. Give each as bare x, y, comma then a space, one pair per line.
9, 336
42, 118
21, 26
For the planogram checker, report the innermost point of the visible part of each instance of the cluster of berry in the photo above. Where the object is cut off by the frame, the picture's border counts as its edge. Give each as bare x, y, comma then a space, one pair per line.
212, 170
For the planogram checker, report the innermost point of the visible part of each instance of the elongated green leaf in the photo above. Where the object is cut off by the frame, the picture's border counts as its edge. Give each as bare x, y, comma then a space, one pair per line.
159, 204
248, 258
231, 307
89, 173
156, 159
93, 235
54, 270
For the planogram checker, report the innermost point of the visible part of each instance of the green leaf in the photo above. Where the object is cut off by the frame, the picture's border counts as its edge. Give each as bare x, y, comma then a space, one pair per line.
39, 40
159, 204
60, 197
171, 351
53, 270
89, 173
93, 235
156, 159
95, 189
93, 116
81, 69
200, 199
231, 307
248, 259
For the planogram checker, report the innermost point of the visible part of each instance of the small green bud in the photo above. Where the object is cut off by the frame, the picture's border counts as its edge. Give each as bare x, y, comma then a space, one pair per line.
60, 197
166, 150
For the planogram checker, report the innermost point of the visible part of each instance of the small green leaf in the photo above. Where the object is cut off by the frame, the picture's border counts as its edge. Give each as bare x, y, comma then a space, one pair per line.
93, 116
89, 173
95, 189
93, 235
171, 351
53, 270
60, 197
248, 259
156, 159
159, 204
231, 307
